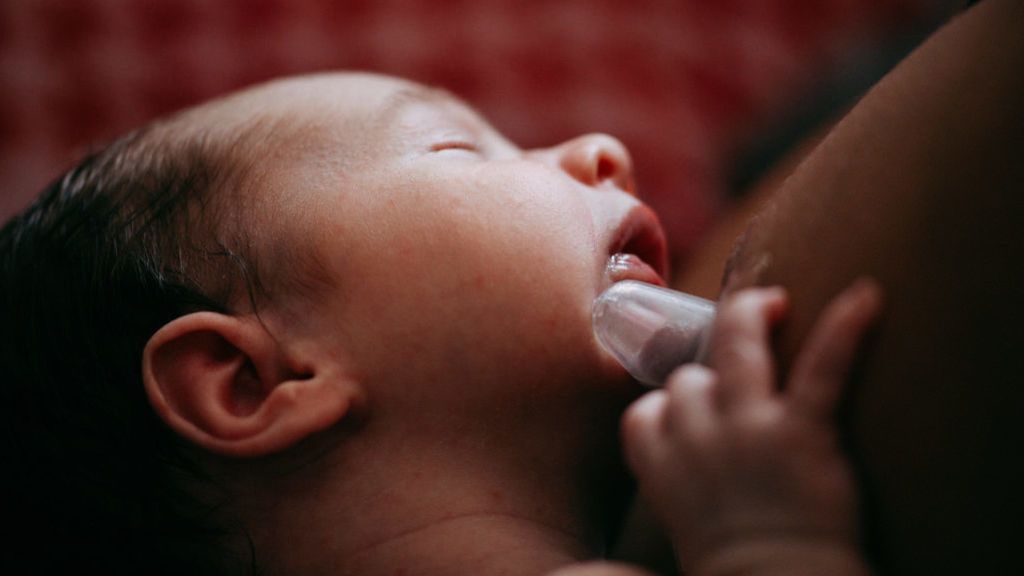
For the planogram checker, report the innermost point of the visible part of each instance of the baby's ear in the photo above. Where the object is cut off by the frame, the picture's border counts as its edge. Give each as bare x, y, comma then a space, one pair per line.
226, 384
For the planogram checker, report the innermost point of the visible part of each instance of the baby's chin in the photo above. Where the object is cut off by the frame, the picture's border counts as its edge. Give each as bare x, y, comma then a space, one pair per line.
612, 375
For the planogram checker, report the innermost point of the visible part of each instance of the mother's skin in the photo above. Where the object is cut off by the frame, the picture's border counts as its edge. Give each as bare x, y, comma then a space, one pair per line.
922, 187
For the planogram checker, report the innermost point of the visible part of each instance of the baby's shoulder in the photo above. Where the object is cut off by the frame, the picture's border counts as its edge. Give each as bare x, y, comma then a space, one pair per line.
600, 569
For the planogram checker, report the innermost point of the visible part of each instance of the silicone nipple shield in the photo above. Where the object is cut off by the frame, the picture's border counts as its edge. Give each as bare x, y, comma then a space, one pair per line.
650, 330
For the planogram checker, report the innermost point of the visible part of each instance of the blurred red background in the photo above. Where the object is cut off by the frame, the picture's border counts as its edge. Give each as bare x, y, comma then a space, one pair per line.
685, 84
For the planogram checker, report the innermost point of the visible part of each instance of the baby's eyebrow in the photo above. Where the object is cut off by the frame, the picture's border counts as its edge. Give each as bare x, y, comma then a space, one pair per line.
399, 99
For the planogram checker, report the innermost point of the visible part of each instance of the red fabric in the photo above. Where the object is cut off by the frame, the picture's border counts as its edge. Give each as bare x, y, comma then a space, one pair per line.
675, 80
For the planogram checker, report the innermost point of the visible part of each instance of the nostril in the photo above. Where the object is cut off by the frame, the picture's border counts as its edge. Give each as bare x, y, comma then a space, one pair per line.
597, 159
606, 169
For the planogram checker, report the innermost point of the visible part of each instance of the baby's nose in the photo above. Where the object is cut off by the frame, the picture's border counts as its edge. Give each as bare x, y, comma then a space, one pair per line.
596, 158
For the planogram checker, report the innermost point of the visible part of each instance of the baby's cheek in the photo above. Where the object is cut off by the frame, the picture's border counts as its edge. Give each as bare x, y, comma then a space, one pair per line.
534, 289
530, 235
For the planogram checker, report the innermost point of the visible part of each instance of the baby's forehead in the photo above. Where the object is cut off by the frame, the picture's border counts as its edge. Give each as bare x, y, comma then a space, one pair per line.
353, 107
275, 123
312, 101
352, 95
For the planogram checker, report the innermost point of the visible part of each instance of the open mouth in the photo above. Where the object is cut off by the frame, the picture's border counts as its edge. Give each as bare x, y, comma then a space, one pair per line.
639, 251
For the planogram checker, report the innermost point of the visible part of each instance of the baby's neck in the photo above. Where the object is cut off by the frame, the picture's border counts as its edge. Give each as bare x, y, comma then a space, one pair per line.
484, 543
454, 512
427, 508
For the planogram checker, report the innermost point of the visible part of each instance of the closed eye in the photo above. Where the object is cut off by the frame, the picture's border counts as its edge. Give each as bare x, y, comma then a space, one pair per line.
455, 145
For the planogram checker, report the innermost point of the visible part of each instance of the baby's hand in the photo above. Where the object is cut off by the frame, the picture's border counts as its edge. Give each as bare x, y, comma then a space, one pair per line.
748, 477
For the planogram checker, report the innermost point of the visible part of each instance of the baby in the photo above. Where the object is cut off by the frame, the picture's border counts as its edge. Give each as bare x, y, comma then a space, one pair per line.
340, 325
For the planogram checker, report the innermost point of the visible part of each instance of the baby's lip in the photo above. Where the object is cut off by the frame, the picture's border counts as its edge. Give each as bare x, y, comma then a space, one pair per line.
638, 250
624, 266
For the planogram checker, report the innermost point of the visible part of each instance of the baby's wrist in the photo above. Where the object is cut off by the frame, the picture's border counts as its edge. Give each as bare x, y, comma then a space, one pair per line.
781, 556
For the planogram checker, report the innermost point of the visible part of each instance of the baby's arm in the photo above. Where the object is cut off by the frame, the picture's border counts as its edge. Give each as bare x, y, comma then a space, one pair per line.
749, 479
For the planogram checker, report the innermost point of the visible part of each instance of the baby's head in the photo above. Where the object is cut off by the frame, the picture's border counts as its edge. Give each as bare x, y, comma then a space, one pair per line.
318, 285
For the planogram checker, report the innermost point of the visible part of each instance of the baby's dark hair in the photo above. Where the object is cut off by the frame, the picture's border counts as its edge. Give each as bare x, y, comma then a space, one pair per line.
134, 236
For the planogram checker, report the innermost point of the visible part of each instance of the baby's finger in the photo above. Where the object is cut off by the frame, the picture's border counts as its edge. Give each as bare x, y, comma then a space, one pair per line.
642, 428
740, 348
823, 366
691, 407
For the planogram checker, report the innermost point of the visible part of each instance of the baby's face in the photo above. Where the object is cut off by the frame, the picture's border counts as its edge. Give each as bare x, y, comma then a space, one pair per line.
447, 256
